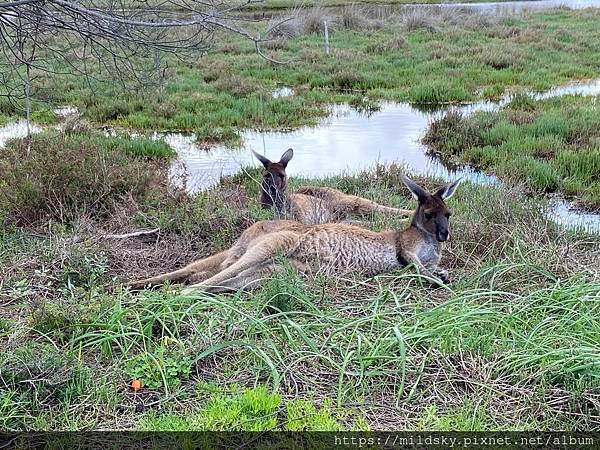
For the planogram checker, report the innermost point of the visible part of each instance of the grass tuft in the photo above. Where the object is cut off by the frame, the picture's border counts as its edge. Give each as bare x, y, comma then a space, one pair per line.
549, 145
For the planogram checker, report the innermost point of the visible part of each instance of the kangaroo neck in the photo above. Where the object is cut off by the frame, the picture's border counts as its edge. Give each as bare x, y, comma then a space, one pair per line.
415, 224
271, 197
414, 236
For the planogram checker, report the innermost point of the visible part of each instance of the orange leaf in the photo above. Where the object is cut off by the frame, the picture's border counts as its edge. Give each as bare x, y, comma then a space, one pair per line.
136, 385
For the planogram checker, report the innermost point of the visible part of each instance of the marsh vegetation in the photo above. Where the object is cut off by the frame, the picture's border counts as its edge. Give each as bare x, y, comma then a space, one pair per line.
549, 146
511, 343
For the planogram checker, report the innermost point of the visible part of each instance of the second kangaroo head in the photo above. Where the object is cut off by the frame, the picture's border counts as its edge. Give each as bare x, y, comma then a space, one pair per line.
432, 215
274, 183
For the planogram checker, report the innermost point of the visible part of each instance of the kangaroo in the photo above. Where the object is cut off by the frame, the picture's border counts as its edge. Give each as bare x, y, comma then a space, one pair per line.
333, 248
311, 205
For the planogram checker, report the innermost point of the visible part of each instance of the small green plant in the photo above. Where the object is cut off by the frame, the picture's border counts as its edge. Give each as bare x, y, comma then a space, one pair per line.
303, 415
252, 410
522, 101
465, 418
282, 290
246, 410
83, 269
158, 367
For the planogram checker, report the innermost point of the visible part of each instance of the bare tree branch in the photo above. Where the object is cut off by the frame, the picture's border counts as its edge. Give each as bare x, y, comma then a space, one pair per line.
110, 40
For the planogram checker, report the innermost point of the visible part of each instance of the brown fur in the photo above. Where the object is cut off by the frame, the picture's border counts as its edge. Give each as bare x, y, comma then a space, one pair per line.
312, 205
332, 248
207, 267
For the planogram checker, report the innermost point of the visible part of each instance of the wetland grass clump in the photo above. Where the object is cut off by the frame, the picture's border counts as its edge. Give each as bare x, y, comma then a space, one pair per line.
549, 146
420, 19
209, 136
62, 177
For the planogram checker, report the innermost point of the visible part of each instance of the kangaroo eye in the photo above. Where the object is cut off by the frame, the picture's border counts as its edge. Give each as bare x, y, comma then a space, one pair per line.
428, 215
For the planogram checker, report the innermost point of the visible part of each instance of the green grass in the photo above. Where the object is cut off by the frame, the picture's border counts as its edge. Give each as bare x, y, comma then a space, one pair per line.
12, 110
549, 146
462, 57
516, 331
249, 410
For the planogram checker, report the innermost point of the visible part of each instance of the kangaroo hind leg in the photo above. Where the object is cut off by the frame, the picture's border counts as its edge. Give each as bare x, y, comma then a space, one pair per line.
196, 271
252, 263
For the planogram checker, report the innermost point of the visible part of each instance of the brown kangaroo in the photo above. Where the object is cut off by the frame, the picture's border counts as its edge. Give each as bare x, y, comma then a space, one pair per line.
312, 205
332, 248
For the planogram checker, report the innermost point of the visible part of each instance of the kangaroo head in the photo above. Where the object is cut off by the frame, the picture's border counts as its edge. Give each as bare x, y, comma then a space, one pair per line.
432, 215
274, 183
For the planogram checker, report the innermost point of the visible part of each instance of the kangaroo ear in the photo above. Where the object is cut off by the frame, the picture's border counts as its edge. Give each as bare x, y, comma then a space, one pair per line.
417, 191
447, 191
264, 160
286, 157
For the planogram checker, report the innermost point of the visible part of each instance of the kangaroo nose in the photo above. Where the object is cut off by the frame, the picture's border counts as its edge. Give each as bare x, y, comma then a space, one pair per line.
442, 235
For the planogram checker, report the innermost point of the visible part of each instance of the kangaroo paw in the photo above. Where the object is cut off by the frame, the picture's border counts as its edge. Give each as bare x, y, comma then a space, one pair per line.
442, 275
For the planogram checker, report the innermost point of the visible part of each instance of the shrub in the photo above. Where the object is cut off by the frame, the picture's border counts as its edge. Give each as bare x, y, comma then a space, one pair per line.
500, 58
439, 92
355, 18
61, 177
285, 27
313, 21
8, 108
395, 43
346, 80
236, 85
114, 109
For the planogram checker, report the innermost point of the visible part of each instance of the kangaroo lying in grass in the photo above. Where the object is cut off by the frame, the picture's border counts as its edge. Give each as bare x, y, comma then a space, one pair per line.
334, 248
312, 205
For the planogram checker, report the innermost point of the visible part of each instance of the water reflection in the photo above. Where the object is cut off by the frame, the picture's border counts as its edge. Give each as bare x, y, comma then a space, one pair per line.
15, 130
348, 142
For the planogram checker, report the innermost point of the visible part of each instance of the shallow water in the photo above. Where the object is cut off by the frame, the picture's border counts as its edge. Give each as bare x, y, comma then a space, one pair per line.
349, 141
15, 130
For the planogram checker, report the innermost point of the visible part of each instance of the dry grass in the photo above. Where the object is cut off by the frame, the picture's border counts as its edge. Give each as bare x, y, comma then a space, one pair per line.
372, 18
420, 19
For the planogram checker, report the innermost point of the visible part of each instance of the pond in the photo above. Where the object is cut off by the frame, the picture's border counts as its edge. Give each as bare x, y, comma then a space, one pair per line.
349, 141
515, 6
